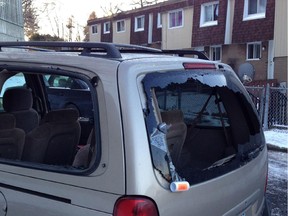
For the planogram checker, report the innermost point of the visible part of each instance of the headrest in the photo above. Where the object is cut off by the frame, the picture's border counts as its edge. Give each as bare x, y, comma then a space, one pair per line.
62, 116
172, 116
7, 121
17, 99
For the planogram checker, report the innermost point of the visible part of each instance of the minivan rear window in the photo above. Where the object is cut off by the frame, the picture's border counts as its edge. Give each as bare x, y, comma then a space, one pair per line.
201, 124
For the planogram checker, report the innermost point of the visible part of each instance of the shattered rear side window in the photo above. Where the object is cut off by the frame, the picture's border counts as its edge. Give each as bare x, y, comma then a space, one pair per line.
199, 121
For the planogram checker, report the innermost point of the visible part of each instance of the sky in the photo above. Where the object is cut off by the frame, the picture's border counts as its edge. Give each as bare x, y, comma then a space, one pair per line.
58, 11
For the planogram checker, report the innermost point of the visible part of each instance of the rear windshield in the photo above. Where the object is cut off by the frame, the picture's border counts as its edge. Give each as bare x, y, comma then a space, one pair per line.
201, 124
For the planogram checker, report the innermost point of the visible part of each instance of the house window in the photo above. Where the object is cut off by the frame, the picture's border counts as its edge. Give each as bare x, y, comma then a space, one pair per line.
254, 9
254, 51
159, 20
209, 14
139, 23
121, 26
175, 19
215, 53
94, 29
106, 27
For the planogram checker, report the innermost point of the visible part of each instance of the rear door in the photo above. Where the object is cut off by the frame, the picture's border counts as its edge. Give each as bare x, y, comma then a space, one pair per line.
223, 157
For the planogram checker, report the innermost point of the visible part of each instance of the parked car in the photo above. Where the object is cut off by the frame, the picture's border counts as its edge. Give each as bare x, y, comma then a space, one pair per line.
67, 92
167, 135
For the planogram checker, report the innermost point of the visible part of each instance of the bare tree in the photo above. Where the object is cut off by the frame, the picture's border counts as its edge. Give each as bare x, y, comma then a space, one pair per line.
112, 9
143, 3
48, 9
70, 26
30, 18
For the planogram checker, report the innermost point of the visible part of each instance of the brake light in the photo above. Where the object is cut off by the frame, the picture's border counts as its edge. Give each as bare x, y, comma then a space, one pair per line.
135, 206
199, 66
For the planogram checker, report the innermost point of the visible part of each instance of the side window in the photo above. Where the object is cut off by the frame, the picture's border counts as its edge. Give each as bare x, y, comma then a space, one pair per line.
254, 9
66, 128
67, 92
209, 14
215, 53
254, 51
176, 19
13, 81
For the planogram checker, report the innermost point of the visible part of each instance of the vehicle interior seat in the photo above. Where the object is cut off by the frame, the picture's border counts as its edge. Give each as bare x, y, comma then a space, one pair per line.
82, 158
55, 140
176, 133
11, 138
18, 101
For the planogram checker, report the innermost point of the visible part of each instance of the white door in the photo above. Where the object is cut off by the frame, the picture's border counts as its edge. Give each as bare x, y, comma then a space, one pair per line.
270, 72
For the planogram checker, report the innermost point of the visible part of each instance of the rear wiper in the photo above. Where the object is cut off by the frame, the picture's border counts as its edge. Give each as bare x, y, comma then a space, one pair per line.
221, 162
254, 153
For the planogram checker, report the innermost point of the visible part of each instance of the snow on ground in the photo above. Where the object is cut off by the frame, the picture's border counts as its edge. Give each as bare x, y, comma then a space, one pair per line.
277, 137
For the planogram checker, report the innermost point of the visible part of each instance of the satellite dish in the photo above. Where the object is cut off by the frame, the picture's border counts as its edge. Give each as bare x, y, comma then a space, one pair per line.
246, 72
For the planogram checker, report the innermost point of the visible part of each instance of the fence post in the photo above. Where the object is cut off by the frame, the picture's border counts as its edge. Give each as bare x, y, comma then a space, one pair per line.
262, 105
266, 111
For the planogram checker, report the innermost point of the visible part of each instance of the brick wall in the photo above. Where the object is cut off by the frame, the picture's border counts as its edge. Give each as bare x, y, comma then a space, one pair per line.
140, 37
210, 35
253, 30
235, 55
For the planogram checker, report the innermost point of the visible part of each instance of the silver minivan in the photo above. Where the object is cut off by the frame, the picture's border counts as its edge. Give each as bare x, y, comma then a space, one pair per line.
168, 136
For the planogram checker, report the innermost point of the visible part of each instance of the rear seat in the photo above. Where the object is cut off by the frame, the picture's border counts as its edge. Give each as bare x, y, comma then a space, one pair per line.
55, 141
11, 138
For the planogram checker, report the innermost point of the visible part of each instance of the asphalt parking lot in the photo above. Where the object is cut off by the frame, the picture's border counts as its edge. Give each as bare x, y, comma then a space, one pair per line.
277, 183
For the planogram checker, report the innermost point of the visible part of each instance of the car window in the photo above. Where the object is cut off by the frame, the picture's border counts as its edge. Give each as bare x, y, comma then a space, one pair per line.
191, 103
196, 122
14, 81
68, 92
64, 82
63, 138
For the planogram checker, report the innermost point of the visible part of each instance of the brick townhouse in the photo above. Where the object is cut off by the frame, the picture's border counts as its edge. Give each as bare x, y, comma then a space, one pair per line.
231, 31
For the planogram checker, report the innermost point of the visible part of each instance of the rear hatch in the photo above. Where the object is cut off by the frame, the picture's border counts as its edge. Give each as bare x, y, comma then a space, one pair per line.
206, 142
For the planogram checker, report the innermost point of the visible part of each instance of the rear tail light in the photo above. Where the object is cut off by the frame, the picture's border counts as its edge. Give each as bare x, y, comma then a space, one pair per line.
135, 206
199, 66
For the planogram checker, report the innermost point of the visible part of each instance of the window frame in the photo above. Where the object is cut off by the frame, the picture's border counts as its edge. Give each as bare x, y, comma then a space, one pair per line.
214, 48
93, 27
121, 30
177, 22
258, 15
136, 27
60, 169
203, 22
159, 20
105, 26
255, 57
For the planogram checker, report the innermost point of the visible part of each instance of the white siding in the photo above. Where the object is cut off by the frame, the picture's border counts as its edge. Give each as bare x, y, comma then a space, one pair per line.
11, 20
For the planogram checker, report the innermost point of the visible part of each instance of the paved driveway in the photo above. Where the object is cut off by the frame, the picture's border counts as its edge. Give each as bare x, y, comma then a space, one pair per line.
277, 183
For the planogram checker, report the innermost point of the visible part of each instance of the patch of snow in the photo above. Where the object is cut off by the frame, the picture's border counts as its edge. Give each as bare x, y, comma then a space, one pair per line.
277, 137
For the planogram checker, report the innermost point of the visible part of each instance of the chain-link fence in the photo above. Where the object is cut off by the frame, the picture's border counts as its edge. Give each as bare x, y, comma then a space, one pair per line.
271, 104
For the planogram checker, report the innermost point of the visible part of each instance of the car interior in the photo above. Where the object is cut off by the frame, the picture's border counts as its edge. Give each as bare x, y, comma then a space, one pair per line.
31, 132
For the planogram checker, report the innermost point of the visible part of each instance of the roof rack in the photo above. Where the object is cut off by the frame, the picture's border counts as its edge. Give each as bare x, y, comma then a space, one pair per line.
110, 50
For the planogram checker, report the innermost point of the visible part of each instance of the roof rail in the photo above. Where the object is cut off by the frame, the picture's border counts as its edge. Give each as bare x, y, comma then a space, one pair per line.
93, 49
85, 48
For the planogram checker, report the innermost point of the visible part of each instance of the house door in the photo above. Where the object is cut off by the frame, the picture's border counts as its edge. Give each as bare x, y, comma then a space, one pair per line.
270, 72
